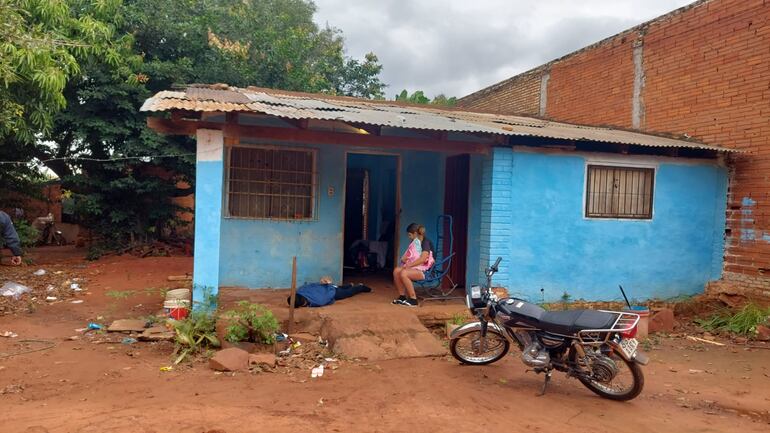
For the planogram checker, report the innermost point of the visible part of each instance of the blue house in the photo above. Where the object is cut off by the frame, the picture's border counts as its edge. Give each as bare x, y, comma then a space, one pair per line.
569, 208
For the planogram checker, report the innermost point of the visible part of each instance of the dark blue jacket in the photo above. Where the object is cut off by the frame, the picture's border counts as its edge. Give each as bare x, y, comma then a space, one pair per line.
9, 235
317, 294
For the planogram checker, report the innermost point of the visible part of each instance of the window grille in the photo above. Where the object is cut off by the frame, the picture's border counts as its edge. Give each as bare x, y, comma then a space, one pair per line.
271, 183
619, 192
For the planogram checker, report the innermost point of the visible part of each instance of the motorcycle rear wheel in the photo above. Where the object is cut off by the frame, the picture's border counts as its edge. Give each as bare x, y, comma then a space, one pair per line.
467, 348
604, 390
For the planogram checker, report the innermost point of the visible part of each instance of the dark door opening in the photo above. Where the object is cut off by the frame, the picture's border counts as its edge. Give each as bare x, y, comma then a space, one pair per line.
370, 213
456, 194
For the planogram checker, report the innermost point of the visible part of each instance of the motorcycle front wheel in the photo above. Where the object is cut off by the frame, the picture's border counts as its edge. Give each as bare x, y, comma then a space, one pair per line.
471, 348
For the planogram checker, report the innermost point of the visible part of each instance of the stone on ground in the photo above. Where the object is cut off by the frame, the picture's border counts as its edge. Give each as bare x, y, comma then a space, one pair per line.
662, 320
262, 360
232, 359
124, 325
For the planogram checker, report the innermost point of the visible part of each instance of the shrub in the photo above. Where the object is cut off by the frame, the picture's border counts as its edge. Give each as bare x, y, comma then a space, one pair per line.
28, 235
198, 330
251, 322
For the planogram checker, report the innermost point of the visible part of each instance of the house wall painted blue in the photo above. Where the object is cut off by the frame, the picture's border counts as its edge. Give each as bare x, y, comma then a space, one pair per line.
258, 253
525, 205
535, 221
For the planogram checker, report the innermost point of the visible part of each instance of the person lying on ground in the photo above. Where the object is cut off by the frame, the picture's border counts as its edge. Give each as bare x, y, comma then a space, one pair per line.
325, 293
417, 259
10, 238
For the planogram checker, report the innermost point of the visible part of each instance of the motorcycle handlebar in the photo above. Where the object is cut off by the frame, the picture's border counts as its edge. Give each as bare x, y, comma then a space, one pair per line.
497, 263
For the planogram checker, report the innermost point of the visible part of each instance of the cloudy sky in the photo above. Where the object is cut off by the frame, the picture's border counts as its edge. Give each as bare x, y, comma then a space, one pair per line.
460, 46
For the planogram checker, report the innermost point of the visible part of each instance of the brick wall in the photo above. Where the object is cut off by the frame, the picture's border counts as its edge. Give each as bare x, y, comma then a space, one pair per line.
496, 212
702, 70
517, 95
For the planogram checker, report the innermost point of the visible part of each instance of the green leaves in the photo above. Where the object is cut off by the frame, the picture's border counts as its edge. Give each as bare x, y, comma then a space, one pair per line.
418, 97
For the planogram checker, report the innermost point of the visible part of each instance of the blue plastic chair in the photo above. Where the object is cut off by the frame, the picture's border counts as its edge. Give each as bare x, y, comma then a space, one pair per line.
440, 269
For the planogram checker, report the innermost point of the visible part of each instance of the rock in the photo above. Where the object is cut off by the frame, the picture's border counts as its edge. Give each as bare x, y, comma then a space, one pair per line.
124, 325
662, 320
763, 333
156, 333
741, 340
232, 359
262, 360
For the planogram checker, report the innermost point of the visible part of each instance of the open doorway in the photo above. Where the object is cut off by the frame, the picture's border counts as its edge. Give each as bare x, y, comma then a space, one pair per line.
371, 213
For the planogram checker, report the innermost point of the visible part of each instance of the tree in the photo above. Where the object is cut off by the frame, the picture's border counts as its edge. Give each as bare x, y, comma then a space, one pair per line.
418, 97
268, 43
42, 43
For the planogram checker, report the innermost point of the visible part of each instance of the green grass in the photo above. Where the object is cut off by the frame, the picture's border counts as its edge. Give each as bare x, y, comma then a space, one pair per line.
120, 294
744, 322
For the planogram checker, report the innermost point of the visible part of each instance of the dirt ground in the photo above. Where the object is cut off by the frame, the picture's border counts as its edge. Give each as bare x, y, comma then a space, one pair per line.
83, 385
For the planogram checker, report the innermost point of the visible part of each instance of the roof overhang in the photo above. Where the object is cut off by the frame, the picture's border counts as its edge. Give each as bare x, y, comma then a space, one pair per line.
368, 116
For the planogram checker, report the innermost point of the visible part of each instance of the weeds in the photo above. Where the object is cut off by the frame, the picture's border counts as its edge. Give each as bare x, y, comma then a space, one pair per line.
120, 294
251, 322
198, 330
744, 322
457, 319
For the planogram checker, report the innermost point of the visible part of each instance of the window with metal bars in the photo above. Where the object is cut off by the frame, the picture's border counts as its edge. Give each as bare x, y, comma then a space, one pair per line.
619, 192
271, 183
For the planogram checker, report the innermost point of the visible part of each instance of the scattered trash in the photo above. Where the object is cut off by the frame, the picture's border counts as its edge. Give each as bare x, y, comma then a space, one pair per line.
167, 368
693, 371
285, 352
39, 273
317, 372
9, 334
94, 326
129, 340
51, 298
295, 345
14, 289
78, 301
330, 359
50, 288
280, 336
76, 287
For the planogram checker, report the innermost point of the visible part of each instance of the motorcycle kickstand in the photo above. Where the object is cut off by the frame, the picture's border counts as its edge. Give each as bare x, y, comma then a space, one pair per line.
545, 383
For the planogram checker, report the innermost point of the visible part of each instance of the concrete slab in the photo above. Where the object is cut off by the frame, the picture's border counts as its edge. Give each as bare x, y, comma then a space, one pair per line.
365, 326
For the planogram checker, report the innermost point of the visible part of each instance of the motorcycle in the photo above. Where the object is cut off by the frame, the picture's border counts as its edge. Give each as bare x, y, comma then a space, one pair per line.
597, 347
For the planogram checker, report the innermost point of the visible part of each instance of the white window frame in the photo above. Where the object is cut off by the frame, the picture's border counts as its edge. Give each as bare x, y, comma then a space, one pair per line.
314, 202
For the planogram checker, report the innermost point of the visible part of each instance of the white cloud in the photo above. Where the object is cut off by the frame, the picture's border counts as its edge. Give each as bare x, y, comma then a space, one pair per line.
457, 47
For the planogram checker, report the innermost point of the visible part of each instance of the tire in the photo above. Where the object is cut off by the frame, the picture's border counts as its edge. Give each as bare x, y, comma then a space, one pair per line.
498, 354
633, 392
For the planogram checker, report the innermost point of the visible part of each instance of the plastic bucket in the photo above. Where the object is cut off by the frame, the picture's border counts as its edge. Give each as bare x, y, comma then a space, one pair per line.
183, 294
642, 329
177, 309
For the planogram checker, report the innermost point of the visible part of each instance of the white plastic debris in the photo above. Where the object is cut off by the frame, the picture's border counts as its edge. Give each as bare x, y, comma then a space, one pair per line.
330, 359
50, 288
39, 272
9, 334
77, 301
75, 287
13, 289
50, 298
317, 372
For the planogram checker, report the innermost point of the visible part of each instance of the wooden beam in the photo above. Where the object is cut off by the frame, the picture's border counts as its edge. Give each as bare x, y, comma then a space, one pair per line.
184, 127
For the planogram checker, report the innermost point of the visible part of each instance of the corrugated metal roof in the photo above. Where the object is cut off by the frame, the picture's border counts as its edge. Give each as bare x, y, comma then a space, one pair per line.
293, 105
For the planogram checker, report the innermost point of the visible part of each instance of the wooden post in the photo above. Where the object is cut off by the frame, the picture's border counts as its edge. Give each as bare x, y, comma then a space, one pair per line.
293, 294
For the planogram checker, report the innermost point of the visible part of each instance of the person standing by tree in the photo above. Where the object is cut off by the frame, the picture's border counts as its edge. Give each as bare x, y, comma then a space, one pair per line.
10, 238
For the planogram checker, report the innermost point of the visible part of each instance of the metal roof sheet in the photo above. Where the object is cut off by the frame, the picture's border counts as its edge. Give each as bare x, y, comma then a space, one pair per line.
294, 105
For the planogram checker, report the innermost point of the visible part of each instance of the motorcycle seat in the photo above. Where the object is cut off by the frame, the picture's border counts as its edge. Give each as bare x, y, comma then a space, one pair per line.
571, 321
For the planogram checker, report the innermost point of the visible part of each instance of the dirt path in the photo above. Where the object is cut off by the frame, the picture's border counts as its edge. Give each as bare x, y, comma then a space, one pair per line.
79, 386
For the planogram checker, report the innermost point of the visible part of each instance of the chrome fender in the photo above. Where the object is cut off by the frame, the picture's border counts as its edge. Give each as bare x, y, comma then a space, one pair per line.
472, 327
